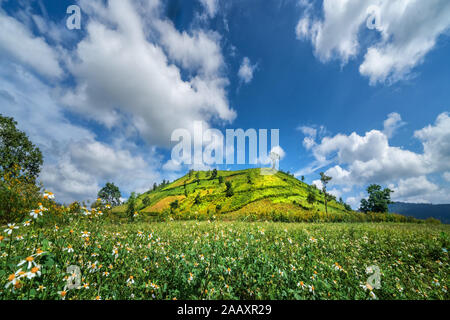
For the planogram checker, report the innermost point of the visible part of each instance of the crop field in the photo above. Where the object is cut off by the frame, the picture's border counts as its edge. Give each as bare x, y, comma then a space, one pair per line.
223, 260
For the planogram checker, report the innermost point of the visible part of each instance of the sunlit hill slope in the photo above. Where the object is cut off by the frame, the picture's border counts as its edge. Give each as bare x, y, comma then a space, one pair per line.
278, 197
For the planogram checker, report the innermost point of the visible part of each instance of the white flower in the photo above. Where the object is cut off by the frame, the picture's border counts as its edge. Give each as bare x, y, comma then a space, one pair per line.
35, 213
14, 278
30, 260
11, 228
85, 234
130, 280
48, 195
115, 253
93, 267
36, 271
69, 249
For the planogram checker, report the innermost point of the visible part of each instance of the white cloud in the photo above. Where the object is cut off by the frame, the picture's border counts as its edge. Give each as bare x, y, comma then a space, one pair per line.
130, 76
413, 187
312, 133
370, 158
308, 131
85, 165
361, 160
318, 184
246, 70
446, 176
172, 165
266, 159
436, 143
211, 7
419, 190
392, 123
353, 202
18, 44
124, 79
75, 163
408, 29
196, 52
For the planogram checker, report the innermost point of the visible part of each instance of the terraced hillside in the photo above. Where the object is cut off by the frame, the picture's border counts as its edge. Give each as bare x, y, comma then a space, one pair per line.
254, 196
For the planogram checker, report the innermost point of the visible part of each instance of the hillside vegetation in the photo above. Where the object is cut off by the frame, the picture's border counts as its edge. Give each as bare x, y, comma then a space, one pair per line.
254, 197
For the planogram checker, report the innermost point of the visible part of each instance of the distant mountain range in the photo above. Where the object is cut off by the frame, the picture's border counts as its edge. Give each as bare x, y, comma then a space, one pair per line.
422, 210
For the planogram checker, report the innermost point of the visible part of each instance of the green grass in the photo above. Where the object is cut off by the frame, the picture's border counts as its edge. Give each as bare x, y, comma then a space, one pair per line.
232, 260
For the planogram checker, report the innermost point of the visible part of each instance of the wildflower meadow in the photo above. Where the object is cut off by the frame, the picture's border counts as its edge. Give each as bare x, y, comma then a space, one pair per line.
72, 253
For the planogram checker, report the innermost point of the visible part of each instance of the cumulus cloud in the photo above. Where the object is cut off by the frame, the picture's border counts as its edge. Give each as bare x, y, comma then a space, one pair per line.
85, 165
408, 31
419, 190
436, 143
359, 160
416, 189
131, 71
246, 70
124, 77
392, 123
75, 163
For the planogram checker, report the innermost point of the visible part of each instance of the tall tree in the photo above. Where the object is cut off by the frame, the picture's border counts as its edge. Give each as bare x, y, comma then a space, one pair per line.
378, 200
311, 198
17, 150
131, 206
110, 193
214, 174
325, 179
229, 191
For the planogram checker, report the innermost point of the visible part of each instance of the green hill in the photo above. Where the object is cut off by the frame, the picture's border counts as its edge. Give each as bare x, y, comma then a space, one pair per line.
278, 197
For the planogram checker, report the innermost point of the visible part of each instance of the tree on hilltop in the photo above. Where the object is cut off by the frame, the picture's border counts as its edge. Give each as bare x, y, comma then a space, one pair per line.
110, 193
325, 179
378, 200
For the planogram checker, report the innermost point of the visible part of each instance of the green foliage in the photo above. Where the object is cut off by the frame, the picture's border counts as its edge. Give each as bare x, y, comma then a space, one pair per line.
229, 189
378, 200
146, 201
311, 198
131, 206
432, 220
325, 179
18, 196
220, 179
197, 200
174, 205
267, 198
18, 152
110, 193
214, 174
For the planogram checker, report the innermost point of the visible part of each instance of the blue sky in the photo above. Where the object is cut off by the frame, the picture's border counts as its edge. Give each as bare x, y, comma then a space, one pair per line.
363, 104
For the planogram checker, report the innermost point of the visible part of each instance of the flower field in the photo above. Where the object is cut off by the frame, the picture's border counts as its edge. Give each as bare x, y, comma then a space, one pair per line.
220, 260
